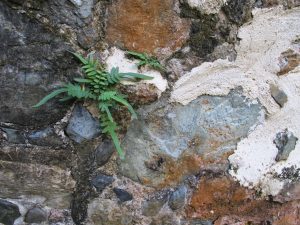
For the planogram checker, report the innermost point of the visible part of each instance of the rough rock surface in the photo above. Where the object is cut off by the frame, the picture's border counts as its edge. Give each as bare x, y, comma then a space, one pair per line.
26, 76
155, 27
219, 146
208, 127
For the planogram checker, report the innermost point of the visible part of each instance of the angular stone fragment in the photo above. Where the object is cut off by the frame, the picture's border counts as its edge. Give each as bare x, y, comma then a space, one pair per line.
9, 212
14, 136
278, 95
45, 137
35, 215
103, 152
288, 61
82, 126
122, 194
285, 142
178, 198
101, 181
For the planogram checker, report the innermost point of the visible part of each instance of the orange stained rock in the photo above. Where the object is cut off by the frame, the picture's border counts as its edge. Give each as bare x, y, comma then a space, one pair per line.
217, 197
150, 26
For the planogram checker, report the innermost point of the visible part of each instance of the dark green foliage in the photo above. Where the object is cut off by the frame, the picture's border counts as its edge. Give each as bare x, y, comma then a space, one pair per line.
145, 59
98, 85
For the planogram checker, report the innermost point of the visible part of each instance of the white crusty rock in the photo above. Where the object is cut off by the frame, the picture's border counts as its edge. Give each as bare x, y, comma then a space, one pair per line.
117, 58
206, 6
271, 32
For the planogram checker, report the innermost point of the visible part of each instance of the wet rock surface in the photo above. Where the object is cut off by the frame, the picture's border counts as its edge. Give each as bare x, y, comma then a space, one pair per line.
9, 212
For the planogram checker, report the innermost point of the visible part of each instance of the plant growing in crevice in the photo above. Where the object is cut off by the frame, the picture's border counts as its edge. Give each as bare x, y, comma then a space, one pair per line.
145, 59
98, 85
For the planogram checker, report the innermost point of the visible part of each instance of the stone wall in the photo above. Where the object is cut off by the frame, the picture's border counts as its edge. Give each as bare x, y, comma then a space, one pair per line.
216, 139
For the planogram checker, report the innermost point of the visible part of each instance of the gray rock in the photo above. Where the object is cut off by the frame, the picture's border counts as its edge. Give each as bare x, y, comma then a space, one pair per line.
55, 184
285, 142
103, 152
33, 62
14, 136
152, 206
9, 212
122, 195
82, 126
87, 37
208, 125
85, 9
239, 11
35, 215
178, 198
45, 137
278, 95
201, 222
101, 181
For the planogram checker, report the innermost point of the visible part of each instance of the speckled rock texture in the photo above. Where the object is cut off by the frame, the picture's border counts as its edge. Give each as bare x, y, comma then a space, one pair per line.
216, 141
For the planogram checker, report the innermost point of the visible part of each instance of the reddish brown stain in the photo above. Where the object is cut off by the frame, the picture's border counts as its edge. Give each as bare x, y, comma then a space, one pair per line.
150, 26
216, 197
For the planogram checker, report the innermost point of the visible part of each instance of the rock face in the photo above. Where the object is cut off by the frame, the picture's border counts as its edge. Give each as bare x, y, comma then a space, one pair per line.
155, 27
26, 76
216, 139
208, 127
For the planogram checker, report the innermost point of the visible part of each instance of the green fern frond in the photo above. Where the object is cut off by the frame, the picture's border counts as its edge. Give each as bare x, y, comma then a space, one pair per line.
105, 96
123, 101
141, 56
78, 92
99, 85
135, 75
50, 96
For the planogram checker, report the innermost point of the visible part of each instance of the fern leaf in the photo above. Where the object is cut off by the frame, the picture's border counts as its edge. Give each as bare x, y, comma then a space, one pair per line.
67, 98
77, 92
80, 57
136, 75
82, 80
110, 128
137, 55
107, 95
116, 142
123, 101
50, 96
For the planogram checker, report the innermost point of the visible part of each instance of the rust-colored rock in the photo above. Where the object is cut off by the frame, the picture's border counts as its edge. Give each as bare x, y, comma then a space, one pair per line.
217, 197
288, 61
287, 214
150, 26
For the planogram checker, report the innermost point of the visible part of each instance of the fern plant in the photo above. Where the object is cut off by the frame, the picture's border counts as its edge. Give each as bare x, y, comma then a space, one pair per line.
98, 85
145, 59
